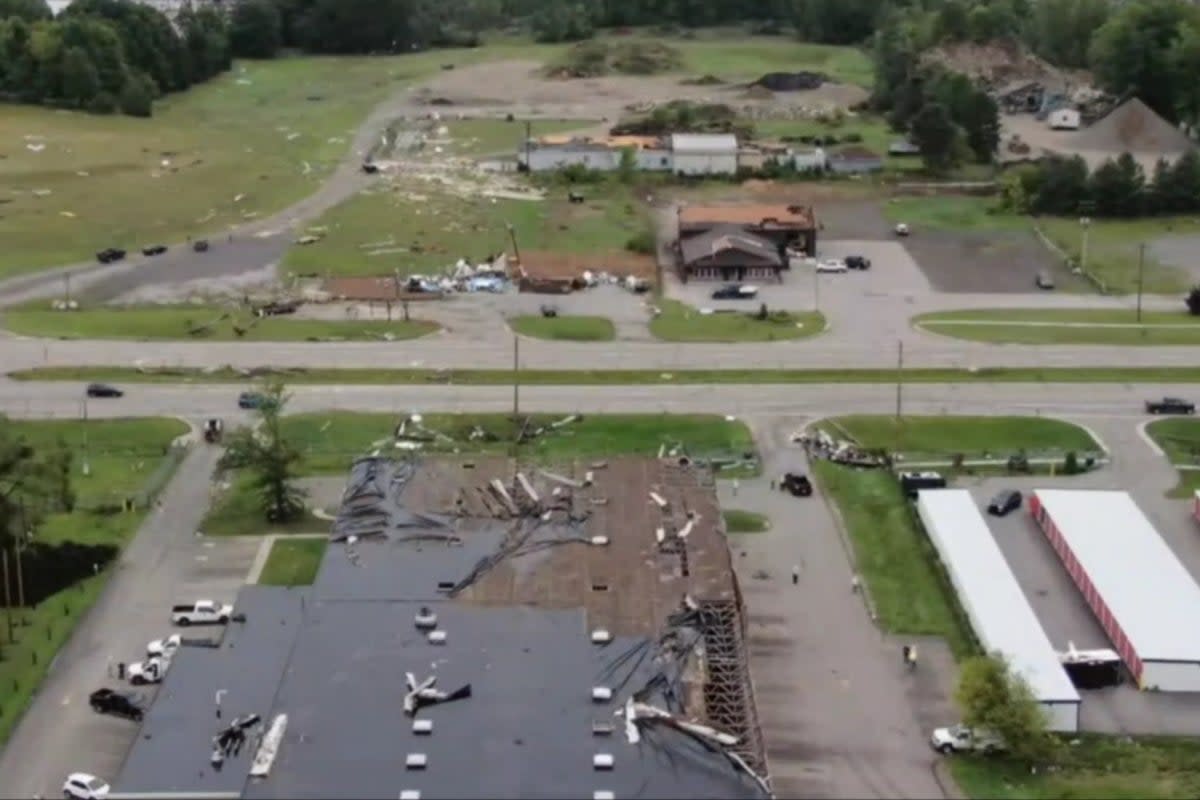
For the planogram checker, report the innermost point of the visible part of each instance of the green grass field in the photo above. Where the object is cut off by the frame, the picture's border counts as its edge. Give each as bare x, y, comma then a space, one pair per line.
1113, 251
293, 562
953, 213
1099, 767
1180, 441
679, 322
1064, 326
729, 54
124, 458
426, 228
632, 377
741, 521
895, 558
945, 436
236, 511
565, 328
174, 322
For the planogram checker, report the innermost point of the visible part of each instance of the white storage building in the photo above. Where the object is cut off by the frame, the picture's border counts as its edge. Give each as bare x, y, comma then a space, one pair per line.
704, 153
998, 610
1142, 595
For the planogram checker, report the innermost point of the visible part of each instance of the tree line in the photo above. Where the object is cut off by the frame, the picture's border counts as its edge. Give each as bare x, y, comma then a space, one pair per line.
1117, 188
106, 55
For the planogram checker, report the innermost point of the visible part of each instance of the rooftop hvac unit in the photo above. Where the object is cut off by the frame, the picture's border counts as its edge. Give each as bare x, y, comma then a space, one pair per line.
436, 637
422, 726
600, 541
603, 794
601, 636
410, 794
415, 761
601, 694
602, 761
426, 619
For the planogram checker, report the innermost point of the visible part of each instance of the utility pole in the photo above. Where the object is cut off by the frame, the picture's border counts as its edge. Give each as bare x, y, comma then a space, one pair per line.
7, 595
1141, 269
21, 541
816, 289
1086, 222
899, 381
528, 144
516, 412
87, 463
67, 287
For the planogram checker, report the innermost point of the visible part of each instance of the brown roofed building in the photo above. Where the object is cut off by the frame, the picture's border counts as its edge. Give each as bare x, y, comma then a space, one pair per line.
785, 225
729, 253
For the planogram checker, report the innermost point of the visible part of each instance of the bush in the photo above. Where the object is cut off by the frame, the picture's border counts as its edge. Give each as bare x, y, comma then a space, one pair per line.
102, 103
1193, 301
852, 138
643, 242
1071, 464
137, 96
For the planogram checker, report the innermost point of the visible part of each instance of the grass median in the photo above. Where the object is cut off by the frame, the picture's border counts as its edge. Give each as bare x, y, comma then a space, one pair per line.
631, 377
679, 322
741, 521
565, 328
211, 323
1180, 442
124, 458
944, 436
1064, 326
293, 562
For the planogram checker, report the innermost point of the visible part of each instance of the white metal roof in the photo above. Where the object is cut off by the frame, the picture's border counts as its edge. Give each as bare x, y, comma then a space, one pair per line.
997, 607
1147, 589
704, 143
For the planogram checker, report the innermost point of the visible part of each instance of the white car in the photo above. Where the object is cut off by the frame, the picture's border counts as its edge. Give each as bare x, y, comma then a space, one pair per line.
961, 739
832, 265
901, 229
152, 670
82, 786
164, 647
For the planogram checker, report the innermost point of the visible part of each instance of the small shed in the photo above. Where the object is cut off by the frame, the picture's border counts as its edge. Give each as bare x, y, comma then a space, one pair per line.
704, 153
1064, 119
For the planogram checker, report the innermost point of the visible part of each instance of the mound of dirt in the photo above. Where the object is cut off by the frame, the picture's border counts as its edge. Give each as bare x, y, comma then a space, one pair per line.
791, 81
1132, 127
996, 63
594, 59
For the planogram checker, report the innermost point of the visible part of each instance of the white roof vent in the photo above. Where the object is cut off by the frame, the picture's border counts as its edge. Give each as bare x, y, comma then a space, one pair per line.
415, 761
436, 637
602, 728
601, 636
603, 794
602, 761
422, 726
410, 794
426, 619
601, 694
600, 541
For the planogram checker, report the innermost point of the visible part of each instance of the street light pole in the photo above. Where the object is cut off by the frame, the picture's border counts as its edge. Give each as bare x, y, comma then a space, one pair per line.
87, 464
1086, 222
816, 289
1141, 270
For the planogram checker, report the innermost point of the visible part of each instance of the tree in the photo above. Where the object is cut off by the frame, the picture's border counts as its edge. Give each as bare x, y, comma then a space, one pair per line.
255, 29
1117, 188
627, 166
837, 21
137, 96
32, 483
266, 454
1184, 62
1060, 186
1061, 30
995, 698
936, 136
1193, 301
28, 10
81, 84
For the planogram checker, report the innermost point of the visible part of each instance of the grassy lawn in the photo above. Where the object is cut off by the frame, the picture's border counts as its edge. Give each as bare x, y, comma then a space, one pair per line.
330, 441
679, 322
1180, 440
631, 377
1113, 250
741, 56
425, 228
126, 458
1065, 326
951, 213
740, 521
945, 436
568, 328
1099, 768
293, 562
895, 558
174, 322
236, 511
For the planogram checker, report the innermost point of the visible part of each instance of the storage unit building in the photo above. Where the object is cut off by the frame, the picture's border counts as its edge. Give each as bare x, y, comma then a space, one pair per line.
704, 153
998, 610
1144, 598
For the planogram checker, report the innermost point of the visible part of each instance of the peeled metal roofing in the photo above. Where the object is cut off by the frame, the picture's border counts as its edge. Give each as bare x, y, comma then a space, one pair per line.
1147, 589
704, 143
997, 607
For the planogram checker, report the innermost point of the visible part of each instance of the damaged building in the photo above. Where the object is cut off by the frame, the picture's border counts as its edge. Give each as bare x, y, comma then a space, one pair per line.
475, 630
742, 242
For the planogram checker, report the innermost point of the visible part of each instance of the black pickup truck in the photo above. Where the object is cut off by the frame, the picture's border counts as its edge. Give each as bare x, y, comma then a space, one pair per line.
1170, 405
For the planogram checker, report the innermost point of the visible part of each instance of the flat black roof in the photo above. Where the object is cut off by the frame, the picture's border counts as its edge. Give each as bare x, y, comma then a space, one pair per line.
334, 657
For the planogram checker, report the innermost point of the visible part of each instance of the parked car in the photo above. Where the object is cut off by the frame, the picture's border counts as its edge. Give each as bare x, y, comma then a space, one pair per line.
214, 428
913, 482
107, 701
152, 670
901, 229
735, 291
253, 400
797, 483
201, 612
1170, 405
831, 265
109, 255
154, 250
165, 647
82, 786
858, 262
1004, 502
961, 739
103, 390
1044, 280
200, 245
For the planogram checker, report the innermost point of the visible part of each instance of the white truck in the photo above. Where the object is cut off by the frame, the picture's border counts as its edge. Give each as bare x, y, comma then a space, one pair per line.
201, 612
164, 647
961, 739
152, 670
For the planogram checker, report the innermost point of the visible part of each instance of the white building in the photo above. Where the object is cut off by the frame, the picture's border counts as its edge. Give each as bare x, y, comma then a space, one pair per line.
704, 153
1141, 594
810, 160
549, 155
1064, 119
998, 609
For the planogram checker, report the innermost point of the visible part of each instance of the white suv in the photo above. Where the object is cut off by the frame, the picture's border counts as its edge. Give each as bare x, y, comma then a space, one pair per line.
832, 265
961, 739
81, 786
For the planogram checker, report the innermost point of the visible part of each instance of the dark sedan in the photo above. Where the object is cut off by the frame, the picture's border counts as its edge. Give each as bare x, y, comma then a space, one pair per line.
154, 250
103, 390
735, 291
106, 701
109, 255
1004, 502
